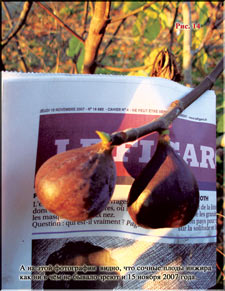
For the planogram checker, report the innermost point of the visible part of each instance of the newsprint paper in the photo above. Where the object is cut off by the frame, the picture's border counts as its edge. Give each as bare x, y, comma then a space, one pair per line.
45, 114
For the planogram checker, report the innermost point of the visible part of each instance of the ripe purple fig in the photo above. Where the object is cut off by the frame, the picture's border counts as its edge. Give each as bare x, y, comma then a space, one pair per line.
165, 194
78, 184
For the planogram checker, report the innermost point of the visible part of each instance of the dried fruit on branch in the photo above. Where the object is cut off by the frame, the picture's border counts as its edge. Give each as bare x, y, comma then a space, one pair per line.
165, 66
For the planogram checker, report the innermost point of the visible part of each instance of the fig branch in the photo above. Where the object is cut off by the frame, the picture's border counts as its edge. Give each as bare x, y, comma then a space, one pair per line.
134, 12
176, 108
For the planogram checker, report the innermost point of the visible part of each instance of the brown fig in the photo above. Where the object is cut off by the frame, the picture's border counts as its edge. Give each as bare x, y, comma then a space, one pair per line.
77, 184
165, 194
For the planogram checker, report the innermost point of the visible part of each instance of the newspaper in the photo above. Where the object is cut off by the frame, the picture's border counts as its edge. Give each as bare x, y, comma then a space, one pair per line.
45, 114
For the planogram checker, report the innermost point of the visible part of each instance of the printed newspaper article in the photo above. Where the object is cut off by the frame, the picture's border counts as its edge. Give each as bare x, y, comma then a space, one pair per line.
47, 114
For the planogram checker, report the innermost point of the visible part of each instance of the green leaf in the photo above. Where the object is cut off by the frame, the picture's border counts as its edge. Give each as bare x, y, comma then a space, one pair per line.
204, 59
66, 11
76, 47
221, 106
203, 15
116, 4
132, 5
135, 30
180, 37
220, 123
164, 20
198, 36
218, 159
152, 13
152, 29
80, 61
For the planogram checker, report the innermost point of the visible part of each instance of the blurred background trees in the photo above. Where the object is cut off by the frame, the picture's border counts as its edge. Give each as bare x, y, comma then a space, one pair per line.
118, 37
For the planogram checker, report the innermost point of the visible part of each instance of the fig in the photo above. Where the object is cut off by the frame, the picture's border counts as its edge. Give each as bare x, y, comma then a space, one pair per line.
78, 184
165, 193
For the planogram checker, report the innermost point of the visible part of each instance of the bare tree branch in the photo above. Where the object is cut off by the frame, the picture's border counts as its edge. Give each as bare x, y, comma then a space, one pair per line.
60, 21
122, 70
85, 16
111, 40
209, 48
187, 42
97, 28
172, 27
211, 4
218, 22
9, 17
22, 20
142, 8
2, 66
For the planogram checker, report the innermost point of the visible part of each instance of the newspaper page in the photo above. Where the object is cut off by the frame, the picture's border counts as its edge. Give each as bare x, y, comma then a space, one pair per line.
45, 114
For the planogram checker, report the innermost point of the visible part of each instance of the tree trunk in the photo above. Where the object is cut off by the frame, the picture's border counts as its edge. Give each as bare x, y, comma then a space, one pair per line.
97, 28
187, 41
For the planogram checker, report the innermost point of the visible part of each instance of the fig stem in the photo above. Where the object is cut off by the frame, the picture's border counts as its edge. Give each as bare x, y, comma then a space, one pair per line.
176, 108
105, 137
